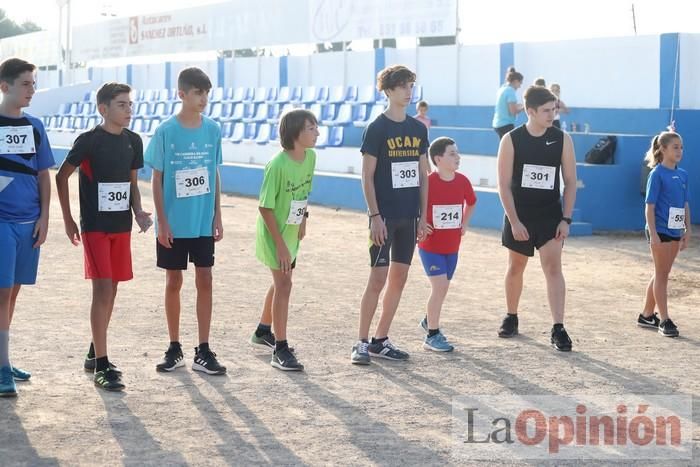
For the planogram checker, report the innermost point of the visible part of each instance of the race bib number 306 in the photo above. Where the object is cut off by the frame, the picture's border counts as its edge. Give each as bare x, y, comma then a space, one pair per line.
540, 177
113, 196
676, 218
404, 174
191, 182
17, 140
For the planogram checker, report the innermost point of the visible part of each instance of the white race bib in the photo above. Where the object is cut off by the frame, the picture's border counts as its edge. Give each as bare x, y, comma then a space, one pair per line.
17, 140
540, 177
113, 196
296, 212
191, 182
404, 174
676, 218
447, 216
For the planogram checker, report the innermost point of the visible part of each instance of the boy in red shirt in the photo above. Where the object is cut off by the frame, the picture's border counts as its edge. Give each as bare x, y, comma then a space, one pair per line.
451, 201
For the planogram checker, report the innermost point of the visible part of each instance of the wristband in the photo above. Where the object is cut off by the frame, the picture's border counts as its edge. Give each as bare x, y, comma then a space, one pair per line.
374, 215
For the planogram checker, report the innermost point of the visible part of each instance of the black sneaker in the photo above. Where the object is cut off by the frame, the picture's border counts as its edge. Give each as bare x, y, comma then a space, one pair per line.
386, 349
173, 359
509, 327
667, 328
650, 322
206, 362
560, 339
90, 364
109, 380
265, 341
285, 360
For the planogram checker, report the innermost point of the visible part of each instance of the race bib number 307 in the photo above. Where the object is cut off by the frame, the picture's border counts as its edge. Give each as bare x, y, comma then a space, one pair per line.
113, 196
17, 140
404, 174
540, 177
191, 182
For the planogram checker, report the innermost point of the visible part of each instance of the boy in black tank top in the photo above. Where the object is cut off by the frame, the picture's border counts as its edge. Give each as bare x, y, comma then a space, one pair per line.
531, 159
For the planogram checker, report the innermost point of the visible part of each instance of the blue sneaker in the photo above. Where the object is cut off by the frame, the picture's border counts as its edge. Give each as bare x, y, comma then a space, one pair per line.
7, 382
20, 375
438, 343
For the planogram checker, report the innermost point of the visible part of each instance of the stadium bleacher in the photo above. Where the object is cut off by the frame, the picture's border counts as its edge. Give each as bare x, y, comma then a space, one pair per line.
245, 114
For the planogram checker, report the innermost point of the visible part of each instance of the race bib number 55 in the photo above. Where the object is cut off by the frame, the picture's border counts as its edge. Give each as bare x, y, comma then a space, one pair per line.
676, 218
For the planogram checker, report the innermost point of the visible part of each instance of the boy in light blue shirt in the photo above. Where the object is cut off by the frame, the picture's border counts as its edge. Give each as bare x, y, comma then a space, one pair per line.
185, 153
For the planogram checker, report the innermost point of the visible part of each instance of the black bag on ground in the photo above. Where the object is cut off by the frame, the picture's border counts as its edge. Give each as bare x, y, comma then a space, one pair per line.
603, 152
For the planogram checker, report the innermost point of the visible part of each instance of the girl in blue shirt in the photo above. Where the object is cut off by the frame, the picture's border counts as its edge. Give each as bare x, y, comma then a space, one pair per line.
667, 224
507, 107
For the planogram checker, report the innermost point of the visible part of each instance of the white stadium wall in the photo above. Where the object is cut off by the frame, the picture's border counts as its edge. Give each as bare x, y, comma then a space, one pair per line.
327, 68
148, 76
269, 72
479, 70
298, 71
596, 73
360, 68
437, 72
689, 71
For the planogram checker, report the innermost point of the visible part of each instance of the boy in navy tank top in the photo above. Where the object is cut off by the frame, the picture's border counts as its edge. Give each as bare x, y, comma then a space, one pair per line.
531, 160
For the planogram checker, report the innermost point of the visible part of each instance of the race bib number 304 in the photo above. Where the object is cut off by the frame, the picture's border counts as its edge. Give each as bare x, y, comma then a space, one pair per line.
540, 177
447, 216
676, 218
404, 174
17, 140
191, 182
113, 196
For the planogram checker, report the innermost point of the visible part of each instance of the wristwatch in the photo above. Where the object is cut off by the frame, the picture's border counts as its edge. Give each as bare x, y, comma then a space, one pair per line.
567, 220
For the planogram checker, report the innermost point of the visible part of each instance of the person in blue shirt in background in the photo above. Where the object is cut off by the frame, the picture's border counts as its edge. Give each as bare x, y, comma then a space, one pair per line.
507, 107
667, 225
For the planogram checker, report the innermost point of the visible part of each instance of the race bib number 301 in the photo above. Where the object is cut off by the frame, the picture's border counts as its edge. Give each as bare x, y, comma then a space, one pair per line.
540, 177
447, 216
676, 218
191, 182
113, 196
404, 174
17, 140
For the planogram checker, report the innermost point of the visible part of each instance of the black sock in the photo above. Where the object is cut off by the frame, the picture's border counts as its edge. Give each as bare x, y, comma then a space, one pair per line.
175, 345
263, 329
558, 326
101, 363
281, 345
91, 351
364, 340
203, 347
379, 341
432, 332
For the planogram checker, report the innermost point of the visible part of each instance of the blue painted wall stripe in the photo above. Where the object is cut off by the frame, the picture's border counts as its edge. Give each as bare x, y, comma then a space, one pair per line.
507, 51
669, 71
221, 72
284, 71
168, 73
129, 74
379, 62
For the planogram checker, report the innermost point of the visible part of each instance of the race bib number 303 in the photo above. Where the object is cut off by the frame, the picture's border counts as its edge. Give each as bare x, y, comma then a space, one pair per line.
113, 196
192, 182
404, 174
540, 177
17, 140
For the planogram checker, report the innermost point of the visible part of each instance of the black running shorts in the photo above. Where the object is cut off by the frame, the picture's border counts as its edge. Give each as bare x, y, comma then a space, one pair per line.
399, 244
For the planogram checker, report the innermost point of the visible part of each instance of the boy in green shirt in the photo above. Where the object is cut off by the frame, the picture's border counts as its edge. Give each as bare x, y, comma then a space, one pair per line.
281, 226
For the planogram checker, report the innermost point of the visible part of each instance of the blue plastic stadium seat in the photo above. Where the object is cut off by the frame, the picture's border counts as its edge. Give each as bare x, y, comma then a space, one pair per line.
323, 92
262, 113
160, 109
226, 111
274, 133
142, 109
251, 131
340, 94
151, 126
365, 95
417, 93
240, 94
322, 140
263, 136
344, 116
335, 137
309, 94
283, 95
238, 112
216, 94
137, 124
375, 111
261, 94
237, 133
177, 107
92, 122
215, 112
226, 129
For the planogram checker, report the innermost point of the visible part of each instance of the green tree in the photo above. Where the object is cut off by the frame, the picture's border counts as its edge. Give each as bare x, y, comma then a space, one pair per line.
9, 28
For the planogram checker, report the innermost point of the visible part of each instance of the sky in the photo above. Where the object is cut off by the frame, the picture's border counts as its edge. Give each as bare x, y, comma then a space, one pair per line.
480, 21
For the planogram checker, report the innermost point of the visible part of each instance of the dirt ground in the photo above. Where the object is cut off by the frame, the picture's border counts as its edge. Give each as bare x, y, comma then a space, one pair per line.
334, 413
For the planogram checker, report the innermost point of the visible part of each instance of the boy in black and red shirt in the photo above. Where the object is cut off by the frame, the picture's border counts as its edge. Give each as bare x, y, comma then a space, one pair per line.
109, 157
451, 201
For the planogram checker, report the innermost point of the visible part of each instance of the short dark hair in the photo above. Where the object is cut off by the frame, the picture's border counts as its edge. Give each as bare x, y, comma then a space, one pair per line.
536, 96
292, 124
11, 68
421, 104
393, 76
540, 82
110, 90
512, 75
439, 146
193, 78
